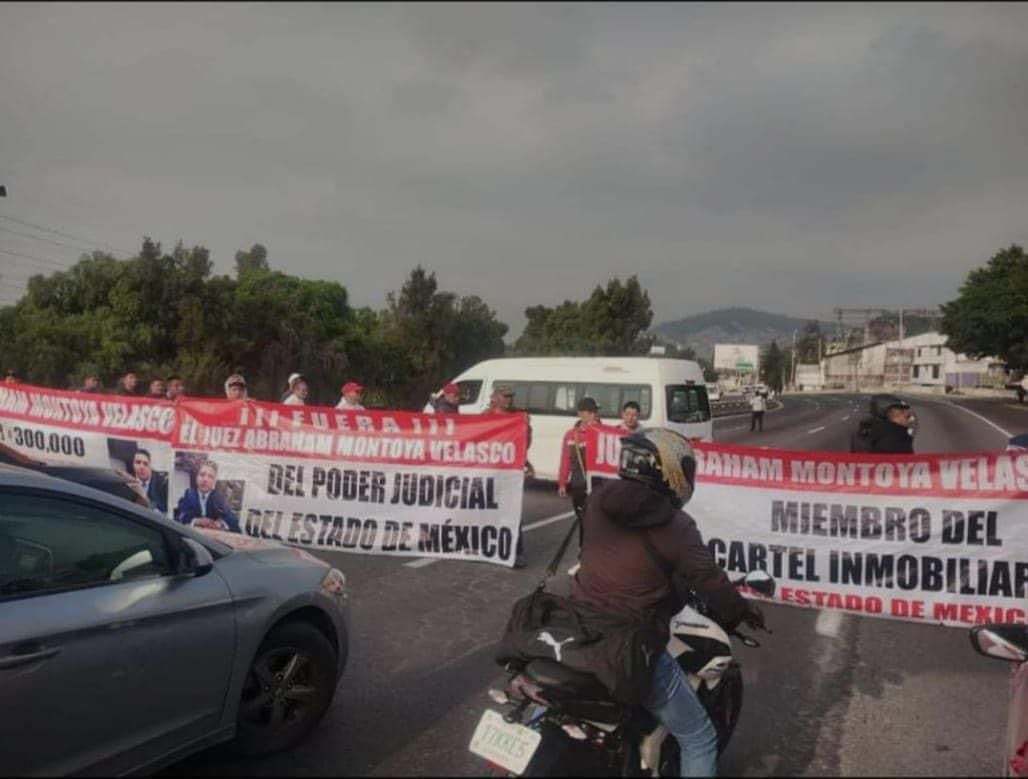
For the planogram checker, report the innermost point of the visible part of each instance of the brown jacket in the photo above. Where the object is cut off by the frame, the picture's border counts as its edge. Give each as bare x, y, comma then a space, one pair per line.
619, 575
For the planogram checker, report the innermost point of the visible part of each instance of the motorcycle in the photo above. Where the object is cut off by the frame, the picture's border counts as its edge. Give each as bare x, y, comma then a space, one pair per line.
1009, 642
555, 721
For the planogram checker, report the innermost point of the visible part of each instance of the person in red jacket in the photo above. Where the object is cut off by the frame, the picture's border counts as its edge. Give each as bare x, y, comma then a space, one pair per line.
573, 473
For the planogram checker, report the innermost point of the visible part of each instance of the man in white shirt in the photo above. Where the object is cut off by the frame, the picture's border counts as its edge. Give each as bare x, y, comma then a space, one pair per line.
758, 405
351, 400
298, 391
235, 387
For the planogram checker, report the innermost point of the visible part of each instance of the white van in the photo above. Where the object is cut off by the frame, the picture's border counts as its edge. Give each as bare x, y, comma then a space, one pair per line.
670, 393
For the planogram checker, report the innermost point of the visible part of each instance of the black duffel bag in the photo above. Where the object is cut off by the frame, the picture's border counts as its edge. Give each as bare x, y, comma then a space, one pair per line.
619, 652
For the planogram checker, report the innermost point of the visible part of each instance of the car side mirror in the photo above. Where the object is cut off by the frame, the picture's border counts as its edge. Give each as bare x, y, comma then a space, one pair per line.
761, 581
196, 560
1002, 641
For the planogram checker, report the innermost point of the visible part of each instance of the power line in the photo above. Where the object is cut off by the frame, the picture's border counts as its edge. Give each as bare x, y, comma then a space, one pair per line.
40, 238
45, 260
63, 234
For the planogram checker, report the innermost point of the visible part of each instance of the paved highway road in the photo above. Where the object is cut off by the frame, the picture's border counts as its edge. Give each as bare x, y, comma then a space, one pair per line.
827, 694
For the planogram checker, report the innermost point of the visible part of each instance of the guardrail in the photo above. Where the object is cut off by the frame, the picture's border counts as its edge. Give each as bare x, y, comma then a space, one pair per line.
723, 408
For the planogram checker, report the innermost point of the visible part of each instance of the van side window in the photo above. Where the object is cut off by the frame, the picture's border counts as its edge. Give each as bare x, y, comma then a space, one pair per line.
560, 398
687, 403
469, 391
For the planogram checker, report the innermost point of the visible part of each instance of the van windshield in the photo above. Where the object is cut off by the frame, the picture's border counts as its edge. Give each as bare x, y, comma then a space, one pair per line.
687, 404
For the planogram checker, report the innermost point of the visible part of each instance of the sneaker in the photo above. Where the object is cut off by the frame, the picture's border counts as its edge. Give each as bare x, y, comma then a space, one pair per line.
574, 569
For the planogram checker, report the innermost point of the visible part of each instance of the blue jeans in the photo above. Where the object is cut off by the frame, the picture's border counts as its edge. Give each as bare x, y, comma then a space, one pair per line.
673, 702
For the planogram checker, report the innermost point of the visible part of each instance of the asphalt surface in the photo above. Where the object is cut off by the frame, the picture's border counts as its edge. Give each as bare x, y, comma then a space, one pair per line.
826, 694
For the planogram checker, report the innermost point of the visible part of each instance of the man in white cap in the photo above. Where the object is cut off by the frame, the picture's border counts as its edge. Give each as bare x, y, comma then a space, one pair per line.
351, 399
235, 387
298, 391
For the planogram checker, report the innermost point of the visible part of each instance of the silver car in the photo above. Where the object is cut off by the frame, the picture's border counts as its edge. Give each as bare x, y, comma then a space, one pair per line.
128, 641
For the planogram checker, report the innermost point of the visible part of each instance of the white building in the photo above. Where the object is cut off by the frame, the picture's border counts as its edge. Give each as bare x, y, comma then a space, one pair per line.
809, 377
921, 360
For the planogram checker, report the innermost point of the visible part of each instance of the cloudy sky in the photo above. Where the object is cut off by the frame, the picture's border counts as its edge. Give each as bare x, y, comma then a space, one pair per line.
792, 157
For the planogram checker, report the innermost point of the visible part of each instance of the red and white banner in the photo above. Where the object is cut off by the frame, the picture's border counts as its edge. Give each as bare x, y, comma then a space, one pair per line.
373, 482
101, 431
940, 538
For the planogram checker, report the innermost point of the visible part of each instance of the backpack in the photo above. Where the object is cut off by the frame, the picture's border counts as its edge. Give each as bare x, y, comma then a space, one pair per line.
621, 653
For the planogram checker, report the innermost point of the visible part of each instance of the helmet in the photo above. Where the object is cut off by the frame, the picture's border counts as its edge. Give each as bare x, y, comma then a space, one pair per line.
880, 404
662, 460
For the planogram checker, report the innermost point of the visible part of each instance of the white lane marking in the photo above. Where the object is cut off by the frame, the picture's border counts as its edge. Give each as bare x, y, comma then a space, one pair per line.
989, 422
816, 430
828, 623
421, 562
845, 417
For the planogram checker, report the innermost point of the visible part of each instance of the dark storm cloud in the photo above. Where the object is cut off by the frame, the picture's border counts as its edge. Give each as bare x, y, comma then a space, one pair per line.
789, 157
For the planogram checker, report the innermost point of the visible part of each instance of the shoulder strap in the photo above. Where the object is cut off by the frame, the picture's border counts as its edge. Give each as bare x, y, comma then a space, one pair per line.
551, 569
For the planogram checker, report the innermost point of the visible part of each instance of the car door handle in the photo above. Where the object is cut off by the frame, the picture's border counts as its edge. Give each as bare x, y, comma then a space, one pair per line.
15, 660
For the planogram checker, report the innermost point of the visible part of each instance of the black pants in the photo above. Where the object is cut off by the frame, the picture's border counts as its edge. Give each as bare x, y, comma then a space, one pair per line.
757, 419
578, 496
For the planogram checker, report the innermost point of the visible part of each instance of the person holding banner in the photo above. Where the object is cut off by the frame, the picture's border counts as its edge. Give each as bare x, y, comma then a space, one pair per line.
629, 417
235, 387
176, 388
298, 391
573, 472
448, 401
201, 506
351, 399
91, 383
502, 402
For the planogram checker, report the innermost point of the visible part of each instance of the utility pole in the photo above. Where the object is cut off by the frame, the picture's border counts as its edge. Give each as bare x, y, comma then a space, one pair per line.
792, 372
901, 327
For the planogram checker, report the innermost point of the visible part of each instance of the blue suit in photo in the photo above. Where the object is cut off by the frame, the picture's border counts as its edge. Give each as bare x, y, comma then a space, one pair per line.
188, 509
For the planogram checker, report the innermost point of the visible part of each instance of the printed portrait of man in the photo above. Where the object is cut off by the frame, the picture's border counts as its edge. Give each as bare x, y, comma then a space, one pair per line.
203, 506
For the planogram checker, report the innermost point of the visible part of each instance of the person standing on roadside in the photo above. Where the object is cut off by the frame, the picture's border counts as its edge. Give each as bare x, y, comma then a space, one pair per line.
502, 402
11, 378
156, 390
758, 405
629, 417
573, 473
351, 399
298, 391
448, 401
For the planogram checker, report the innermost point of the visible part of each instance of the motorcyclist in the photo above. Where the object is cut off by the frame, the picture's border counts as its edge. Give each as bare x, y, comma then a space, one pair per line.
888, 430
620, 576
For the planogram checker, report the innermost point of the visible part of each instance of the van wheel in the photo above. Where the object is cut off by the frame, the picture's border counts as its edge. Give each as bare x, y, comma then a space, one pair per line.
287, 690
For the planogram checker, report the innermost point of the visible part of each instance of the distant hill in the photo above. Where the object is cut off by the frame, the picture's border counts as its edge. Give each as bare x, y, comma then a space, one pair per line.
734, 326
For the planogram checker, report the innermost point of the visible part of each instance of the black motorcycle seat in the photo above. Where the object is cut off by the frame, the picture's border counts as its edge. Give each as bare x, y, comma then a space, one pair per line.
551, 675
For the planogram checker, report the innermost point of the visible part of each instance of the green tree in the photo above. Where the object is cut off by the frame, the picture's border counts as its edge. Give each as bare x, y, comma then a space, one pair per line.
253, 259
611, 321
989, 317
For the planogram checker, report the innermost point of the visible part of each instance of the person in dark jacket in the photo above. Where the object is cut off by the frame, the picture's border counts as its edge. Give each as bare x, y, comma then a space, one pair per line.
620, 576
889, 428
448, 401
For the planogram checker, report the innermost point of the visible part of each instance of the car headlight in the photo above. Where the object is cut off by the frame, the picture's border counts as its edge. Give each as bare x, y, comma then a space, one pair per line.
334, 584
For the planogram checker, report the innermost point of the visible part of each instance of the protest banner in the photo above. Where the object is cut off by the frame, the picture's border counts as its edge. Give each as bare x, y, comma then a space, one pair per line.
101, 431
940, 538
372, 482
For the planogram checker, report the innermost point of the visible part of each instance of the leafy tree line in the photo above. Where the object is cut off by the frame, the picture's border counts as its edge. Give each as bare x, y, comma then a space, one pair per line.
989, 316
163, 313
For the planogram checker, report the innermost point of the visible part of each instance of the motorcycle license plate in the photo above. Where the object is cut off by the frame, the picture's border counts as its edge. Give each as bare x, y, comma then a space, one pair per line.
507, 744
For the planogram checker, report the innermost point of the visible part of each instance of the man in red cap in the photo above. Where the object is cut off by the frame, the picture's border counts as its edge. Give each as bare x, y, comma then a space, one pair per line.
351, 400
449, 401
